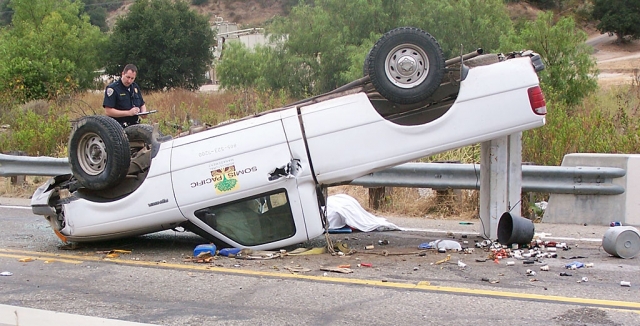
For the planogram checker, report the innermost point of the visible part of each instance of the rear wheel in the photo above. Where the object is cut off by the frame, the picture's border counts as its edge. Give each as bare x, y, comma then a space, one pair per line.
98, 152
406, 65
139, 136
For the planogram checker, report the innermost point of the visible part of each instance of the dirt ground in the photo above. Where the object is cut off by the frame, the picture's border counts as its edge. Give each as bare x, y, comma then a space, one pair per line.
618, 63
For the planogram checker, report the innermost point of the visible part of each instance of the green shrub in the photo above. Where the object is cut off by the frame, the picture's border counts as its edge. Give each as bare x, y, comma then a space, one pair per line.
36, 135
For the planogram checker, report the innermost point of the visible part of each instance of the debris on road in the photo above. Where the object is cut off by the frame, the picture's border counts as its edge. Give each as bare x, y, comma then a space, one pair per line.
337, 270
574, 265
296, 269
5, 273
441, 244
625, 283
26, 260
443, 260
229, 252
203, 257
250, 254
307, 251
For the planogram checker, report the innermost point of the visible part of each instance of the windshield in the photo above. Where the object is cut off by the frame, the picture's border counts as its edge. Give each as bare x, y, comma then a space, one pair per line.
253, 221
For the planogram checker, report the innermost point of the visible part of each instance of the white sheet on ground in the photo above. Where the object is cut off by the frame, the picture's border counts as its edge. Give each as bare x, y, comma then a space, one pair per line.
345, 210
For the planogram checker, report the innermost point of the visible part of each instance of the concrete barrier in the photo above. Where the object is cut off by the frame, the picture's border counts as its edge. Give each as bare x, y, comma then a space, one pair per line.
599, 209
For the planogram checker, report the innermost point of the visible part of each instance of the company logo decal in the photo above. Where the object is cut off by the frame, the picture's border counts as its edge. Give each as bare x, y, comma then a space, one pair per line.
225, 179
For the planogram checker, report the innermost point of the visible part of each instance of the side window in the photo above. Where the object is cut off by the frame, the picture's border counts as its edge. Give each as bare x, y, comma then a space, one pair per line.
252, 221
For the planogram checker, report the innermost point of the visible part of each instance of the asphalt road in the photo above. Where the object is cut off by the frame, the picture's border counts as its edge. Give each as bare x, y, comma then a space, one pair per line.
154, 284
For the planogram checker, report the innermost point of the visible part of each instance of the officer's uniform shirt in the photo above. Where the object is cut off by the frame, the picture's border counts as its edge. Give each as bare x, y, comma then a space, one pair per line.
119, 97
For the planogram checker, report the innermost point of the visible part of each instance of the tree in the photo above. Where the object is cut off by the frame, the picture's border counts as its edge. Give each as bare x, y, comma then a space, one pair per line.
461, 23
570, 71
619, 17
328, 40
170, 44
49, 50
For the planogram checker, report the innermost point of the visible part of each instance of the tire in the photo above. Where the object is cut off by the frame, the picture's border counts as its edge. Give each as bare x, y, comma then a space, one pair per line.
98, 152
141, 135
406, 65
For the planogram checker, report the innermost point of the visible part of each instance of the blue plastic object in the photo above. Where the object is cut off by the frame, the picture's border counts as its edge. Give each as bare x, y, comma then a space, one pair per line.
344, 229
577, 264
204, 248
426, 245
229, 251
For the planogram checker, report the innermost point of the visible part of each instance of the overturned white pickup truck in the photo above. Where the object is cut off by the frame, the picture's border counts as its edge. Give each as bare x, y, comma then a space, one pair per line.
258, 182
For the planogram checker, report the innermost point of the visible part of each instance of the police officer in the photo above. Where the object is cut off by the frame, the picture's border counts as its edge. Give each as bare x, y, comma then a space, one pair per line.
123, 99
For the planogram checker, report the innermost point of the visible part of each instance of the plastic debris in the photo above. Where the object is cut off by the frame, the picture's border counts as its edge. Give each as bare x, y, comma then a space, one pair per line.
461, 264
530, 272
446, 245
511, 263
229, 252
5, 273
544, 268
426, 245
565, 274
383, 242
625, 283
588, 265
365, 265
574, 265
203, 248
26, 260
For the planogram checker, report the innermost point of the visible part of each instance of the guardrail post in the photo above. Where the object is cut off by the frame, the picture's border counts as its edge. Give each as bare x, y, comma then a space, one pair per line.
500, 181
376, 197
17, 180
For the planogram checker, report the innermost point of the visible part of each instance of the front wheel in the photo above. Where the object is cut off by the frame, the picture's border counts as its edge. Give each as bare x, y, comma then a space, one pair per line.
406, 65
98, 152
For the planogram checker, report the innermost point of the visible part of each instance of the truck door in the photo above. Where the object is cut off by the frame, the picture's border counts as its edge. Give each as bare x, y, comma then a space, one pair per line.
237, 183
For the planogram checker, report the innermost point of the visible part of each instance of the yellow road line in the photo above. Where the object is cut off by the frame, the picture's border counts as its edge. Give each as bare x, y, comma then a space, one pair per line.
423, 286
46, 261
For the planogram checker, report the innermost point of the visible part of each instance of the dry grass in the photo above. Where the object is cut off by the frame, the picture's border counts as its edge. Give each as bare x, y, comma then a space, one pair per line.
23, 188
418, 202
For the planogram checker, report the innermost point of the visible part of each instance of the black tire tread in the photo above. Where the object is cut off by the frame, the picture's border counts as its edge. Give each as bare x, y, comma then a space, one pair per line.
376, 70
116, 144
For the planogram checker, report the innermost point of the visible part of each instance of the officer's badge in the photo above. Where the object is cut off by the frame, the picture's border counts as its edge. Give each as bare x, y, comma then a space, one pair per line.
109, 91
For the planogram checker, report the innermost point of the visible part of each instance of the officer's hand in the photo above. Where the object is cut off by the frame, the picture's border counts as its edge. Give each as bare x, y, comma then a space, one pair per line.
134, 110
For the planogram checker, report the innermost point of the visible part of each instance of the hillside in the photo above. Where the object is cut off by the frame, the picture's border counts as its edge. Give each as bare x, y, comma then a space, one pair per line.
246, 13
617, 63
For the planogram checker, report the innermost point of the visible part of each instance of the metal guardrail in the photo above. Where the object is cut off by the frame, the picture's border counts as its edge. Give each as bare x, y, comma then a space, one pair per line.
535, 178
12, 165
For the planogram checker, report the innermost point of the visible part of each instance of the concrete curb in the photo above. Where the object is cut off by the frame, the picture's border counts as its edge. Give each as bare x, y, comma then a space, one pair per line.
12, 315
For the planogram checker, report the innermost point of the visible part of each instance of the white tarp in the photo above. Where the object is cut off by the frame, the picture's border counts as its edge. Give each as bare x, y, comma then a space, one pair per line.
345, 210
